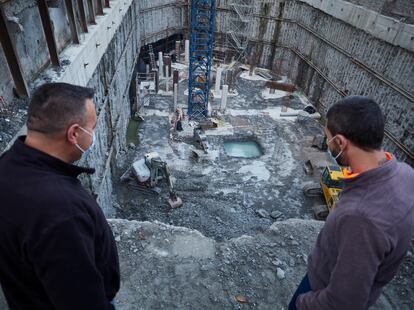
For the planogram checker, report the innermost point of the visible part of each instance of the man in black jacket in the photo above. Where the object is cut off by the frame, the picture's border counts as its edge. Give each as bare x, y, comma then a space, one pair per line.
57, 250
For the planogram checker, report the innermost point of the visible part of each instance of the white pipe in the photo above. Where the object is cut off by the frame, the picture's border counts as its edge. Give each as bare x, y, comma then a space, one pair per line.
187, 52
160, 64
224, 93
218, 79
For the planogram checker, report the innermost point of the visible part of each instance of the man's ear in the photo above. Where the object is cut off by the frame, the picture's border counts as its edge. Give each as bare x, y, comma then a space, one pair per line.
342, 141
72, 133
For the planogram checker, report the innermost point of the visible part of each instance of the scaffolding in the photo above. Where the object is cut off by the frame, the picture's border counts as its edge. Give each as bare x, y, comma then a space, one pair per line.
239, 24
201, 54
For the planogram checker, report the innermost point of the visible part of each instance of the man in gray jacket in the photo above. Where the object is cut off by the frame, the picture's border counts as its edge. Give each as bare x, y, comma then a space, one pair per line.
366, 237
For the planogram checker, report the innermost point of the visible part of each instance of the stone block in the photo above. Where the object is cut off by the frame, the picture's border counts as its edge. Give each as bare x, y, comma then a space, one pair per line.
385, 28
405, 37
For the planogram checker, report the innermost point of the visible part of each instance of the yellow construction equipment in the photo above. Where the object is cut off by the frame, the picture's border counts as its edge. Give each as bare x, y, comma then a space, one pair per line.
330, 186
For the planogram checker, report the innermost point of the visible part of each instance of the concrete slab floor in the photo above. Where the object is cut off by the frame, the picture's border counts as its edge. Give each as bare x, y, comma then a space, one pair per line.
225, 197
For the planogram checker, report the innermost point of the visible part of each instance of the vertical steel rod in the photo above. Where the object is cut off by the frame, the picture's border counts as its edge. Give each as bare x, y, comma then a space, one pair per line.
91, 12
48, 30
72, 22
11, 57
99, 7
84, 24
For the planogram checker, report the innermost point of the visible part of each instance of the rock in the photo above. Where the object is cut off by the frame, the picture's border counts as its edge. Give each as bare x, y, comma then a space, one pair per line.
294, 242
131, 145
280, 273
204, 268
276, 214
118, 238
277, 262
263, 213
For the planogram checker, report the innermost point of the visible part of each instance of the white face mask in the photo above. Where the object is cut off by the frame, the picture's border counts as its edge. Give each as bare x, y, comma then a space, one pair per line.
85, 153
333, 156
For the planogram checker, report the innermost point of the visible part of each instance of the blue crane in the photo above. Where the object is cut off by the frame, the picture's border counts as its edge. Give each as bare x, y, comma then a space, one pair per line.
201, 57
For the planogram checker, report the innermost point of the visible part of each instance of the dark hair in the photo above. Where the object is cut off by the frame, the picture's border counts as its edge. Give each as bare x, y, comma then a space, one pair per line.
54, 106
359, 119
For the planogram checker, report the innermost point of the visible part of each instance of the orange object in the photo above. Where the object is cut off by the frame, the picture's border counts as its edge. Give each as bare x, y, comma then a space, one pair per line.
349, 174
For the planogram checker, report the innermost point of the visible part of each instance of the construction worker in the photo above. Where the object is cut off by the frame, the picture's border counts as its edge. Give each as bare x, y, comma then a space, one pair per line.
366, 237
57, 250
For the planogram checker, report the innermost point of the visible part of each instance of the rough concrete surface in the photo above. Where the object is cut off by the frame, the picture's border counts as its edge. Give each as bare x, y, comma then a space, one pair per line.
168, 267
229, 246
224, 196
401, 9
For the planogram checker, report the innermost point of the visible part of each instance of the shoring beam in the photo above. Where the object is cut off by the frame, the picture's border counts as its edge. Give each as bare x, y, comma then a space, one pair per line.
11, 56
48, 31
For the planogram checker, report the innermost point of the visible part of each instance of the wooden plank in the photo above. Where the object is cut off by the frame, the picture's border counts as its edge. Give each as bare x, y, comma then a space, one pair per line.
48, 30
11, 57
82, 15
72, 22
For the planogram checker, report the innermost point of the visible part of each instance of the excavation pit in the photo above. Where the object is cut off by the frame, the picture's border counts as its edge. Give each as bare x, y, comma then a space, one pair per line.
243, 149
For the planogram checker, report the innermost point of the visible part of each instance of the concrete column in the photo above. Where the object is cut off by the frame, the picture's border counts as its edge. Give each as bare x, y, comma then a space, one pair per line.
252, 62
177, 50
187, 52
224, 93
147, 68
167, 63
272, 91
176, 77
160, 64
156, 79
175, 96
167, 73
218, 79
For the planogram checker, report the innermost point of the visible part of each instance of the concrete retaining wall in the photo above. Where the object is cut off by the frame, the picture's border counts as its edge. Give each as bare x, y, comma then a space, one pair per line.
27, 33
333, 47
105, 61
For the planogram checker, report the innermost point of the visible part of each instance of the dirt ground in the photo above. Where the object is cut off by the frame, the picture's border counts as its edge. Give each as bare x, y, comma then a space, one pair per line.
12, 118
241, 239
225, 197
170, 267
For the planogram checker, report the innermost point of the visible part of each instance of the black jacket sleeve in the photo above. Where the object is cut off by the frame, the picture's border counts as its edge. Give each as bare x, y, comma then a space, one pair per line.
64, 260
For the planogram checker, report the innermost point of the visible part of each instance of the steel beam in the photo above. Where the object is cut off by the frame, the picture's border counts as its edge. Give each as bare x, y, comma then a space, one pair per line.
99, 7
72, 21
91, 11
48, 30
82, 15
11, 56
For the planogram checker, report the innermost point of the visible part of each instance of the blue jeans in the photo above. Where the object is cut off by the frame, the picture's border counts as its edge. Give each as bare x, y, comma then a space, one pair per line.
303, 288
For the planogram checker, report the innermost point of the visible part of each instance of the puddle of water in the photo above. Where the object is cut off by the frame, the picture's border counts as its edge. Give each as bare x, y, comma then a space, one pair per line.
132, 132
245, 149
